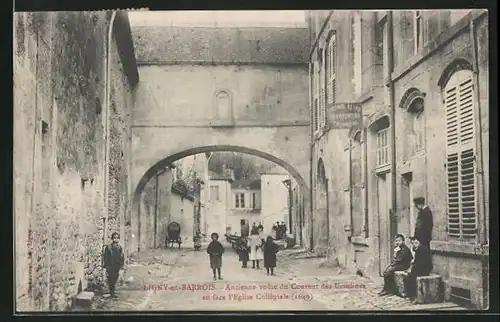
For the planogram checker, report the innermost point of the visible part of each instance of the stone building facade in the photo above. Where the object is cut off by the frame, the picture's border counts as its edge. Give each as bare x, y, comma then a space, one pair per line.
166, 199
420, 82
60, 144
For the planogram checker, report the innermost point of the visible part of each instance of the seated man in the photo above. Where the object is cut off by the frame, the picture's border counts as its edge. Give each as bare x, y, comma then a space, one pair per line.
420, 266
401, 262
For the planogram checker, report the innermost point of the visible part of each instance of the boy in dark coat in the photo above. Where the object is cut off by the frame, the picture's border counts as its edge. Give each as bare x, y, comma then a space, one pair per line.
270, 250
113, 262
424, 223
243, 252
421, 266
402, 260
215, 251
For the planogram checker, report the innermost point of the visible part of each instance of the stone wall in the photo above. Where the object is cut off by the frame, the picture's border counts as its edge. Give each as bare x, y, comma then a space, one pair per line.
58, 155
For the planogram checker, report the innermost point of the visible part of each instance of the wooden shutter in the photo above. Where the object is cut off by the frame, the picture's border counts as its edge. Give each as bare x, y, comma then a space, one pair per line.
331, 70
461, 197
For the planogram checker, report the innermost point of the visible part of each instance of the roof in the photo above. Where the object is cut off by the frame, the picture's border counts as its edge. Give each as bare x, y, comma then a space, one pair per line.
180, 188
275, 170
265, 45
220, 176
253, 184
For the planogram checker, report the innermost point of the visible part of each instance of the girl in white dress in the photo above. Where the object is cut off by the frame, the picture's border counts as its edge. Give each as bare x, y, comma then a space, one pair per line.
256, 253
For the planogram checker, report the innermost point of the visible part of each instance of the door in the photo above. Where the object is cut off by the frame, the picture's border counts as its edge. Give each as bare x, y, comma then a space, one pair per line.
384, 221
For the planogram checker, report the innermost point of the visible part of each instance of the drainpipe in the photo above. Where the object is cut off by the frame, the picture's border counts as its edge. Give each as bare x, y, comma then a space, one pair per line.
311, 104
390, 85
365, 181
479, 139
106, 123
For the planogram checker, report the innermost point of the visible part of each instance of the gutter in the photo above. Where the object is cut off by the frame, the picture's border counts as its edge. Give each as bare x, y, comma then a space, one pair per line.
479, 139
390, 85
311, 195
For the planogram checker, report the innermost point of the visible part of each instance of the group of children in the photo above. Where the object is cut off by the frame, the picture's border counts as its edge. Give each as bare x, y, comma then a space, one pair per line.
254, 248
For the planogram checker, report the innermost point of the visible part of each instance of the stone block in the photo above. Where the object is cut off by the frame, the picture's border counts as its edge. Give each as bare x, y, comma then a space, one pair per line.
399, 281
429, 289
84, 300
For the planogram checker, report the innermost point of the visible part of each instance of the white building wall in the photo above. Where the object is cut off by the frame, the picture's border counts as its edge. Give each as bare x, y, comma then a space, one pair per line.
274, 200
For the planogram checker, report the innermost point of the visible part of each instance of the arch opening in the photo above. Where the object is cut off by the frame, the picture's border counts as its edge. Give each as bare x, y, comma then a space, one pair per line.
207, 149
167, 162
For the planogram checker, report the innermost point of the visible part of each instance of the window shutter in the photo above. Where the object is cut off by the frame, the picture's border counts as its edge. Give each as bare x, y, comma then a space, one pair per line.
460, 160
332, 70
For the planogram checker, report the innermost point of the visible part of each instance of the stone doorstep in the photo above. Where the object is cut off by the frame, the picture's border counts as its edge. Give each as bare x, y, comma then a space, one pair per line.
83, 300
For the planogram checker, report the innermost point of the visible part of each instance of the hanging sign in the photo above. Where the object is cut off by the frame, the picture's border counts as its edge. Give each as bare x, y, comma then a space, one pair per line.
345, 115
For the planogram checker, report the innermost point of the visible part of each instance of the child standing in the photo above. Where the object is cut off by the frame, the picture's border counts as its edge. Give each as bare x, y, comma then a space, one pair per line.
113, 262
270, 250
215, 251
243, 252
255, 249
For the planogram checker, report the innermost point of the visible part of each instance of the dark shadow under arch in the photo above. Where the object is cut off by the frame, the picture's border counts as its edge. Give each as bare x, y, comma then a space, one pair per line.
453, 67
212, 148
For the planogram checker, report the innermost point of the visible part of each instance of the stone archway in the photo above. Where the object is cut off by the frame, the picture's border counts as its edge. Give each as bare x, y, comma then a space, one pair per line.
321, 216
136, 217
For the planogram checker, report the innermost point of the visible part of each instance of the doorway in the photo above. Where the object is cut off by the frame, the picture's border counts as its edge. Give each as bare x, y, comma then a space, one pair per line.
408, 195
383, 204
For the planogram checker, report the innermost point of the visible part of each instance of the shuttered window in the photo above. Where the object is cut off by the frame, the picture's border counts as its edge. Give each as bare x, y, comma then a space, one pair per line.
331, 57
316, 86
461, 185
321, 74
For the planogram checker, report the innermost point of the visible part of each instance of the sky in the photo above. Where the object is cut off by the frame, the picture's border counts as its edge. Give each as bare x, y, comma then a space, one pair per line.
219, 18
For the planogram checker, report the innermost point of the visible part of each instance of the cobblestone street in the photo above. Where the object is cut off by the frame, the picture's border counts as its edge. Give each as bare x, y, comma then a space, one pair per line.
174, 268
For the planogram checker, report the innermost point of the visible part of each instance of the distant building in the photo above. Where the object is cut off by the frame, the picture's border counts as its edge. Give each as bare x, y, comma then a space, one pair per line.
275, 195
245, 204
217, 205
167, 199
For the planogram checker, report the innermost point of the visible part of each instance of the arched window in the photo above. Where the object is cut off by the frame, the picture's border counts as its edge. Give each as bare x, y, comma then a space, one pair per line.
223, 109
413, 103
461, 183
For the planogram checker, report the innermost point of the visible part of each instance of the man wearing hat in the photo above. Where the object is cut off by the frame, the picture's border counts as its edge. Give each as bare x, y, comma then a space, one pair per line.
424, 223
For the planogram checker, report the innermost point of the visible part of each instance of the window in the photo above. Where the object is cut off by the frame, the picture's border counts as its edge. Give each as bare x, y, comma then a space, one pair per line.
322, 97
214, 193
315, 93
461, 186
417, 31
223, 105
331, 61
419, 131
357, 54
383, 147
254, 200
239, 200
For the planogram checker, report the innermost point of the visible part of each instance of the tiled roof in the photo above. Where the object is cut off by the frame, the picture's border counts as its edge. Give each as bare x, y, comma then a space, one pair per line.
246, 184
181, 188
217, 176
169, 44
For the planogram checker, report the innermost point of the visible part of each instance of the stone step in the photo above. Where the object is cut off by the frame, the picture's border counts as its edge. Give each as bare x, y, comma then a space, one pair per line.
83, 300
